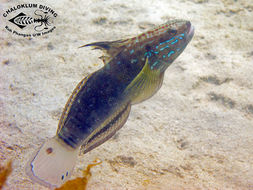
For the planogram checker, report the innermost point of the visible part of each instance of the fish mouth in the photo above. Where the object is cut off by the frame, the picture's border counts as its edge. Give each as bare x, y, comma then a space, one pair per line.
190, 32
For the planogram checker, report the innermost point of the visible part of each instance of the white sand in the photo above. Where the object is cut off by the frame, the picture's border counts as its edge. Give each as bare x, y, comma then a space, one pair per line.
195, 133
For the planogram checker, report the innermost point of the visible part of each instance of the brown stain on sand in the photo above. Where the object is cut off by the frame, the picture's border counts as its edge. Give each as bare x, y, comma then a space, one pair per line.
5, 171
80, 183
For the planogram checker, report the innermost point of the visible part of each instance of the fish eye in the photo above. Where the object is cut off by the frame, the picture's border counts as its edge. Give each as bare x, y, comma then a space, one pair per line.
172, 31
148, 47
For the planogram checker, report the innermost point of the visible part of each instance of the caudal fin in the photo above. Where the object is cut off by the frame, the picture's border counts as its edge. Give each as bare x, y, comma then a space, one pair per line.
52, 164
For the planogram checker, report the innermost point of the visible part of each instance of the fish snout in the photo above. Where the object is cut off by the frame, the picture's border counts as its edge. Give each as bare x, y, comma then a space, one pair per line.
190, 30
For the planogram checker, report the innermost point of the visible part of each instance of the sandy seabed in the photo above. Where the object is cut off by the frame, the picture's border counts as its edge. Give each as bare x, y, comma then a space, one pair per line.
195, 133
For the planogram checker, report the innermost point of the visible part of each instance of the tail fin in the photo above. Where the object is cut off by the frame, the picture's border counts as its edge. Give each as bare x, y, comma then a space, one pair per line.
52, 164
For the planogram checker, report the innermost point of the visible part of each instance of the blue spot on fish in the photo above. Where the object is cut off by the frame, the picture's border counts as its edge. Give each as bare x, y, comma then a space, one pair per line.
156, 52
170, 53
148, 54
174, 42
154, 64
167, 41
132, 51
164, 48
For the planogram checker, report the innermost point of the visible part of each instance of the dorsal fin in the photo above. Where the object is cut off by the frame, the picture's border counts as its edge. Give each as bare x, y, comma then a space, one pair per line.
110, 48
70, 102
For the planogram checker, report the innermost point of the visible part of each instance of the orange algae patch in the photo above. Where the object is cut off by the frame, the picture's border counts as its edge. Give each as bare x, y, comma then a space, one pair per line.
79, 183
4, 173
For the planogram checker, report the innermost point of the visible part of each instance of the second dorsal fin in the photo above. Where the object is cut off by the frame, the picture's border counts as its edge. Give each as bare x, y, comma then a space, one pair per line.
110, 48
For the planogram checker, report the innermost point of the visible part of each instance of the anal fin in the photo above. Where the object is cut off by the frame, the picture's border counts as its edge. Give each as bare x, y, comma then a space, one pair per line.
107, 129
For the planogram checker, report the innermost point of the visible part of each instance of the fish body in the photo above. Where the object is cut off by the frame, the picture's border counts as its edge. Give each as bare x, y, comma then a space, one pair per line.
100, 104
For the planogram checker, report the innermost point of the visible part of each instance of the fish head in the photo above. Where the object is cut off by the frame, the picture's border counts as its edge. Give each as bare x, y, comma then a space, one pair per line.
165, 43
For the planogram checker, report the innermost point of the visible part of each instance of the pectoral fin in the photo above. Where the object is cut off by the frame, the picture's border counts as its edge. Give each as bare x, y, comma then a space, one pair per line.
110, 48
145, 84
107, 129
